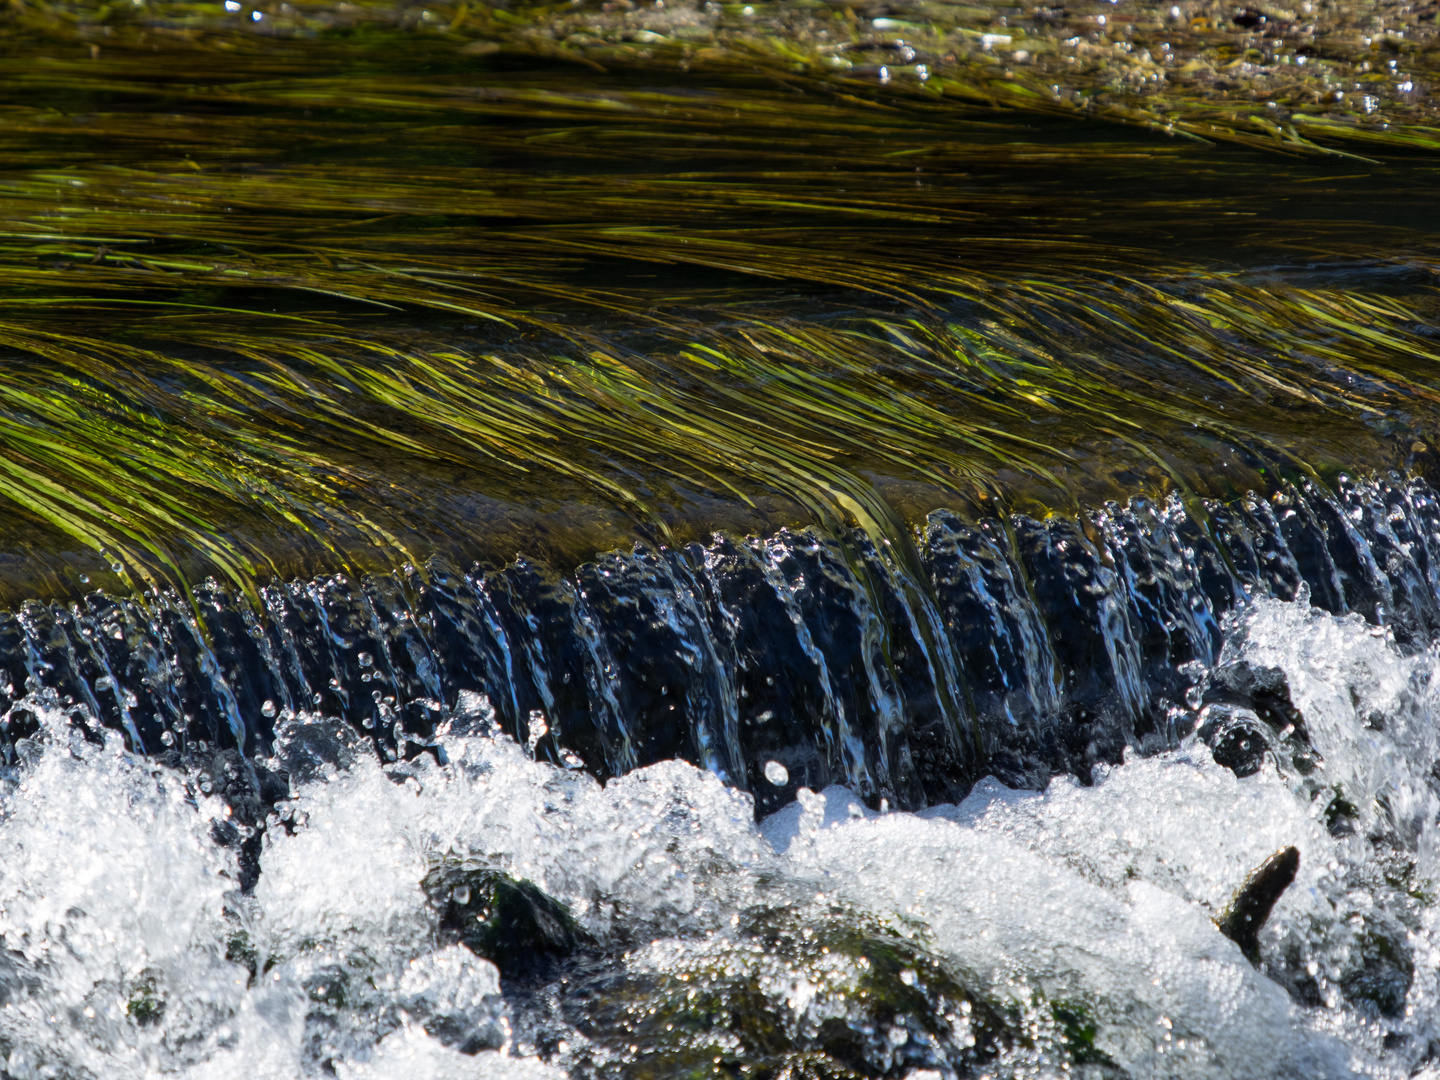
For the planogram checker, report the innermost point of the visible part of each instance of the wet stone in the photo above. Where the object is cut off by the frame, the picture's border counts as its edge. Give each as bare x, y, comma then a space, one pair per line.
509, 922
1248, 713
877, 1005
1250, 907
1237, 738
1383, 967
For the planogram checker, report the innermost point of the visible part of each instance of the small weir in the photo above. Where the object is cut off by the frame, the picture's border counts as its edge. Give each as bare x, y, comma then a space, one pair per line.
1029, 648
365, 834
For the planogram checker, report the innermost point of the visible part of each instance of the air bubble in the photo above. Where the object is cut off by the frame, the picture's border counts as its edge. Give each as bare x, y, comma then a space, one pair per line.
776, 773
366, 660
268, 709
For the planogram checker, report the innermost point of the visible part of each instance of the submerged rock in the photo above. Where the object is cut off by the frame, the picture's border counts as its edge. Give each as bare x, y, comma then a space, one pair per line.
1248, 714
829, 994
509, 922
1382, 968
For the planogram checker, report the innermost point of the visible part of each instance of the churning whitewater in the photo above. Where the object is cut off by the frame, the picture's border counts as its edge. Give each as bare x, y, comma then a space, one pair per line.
1036, 934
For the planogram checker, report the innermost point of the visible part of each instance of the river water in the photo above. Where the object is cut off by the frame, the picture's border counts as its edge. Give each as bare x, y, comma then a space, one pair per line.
278, 914
1098, 898
517, 572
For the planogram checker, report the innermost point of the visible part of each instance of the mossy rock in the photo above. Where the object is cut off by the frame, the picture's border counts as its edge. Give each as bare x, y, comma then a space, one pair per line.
835, 995
1383, 970
146, 1003
510, 922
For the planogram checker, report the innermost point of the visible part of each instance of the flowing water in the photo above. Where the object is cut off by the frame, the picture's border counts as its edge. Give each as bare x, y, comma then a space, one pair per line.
510, 569
271, 888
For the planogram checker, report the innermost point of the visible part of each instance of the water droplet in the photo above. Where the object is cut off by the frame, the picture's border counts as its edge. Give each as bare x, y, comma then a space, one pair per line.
105, 682
776, 773
366, 660
462, 895
897, 1035
168, 738
117, 567
538, 730
907, 976
268, 709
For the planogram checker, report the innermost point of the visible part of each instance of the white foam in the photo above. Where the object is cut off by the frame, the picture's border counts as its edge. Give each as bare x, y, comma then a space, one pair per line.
410, 1054
112, 894
1172, 995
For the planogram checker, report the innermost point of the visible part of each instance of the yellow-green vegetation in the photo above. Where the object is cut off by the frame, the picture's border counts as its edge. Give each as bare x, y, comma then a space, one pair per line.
343, 288
1302, 75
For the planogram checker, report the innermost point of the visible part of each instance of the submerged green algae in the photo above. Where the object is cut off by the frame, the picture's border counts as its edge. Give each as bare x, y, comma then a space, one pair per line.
276, 305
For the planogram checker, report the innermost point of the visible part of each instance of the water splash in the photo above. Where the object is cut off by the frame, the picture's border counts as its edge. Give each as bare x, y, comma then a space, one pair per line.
1033, 647
1071, 926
